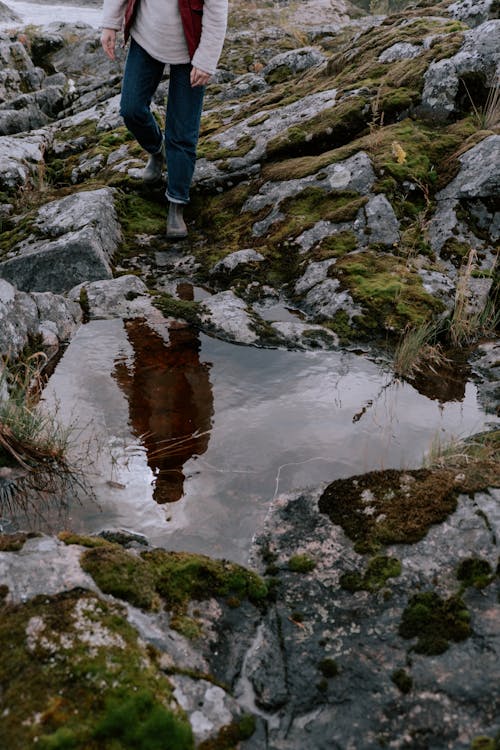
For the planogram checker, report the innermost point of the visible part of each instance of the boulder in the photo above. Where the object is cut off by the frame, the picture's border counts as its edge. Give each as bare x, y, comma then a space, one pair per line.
382, 226
124, 297
474, 12
75, 239
21, 158
478, 59
287, 63
227, 314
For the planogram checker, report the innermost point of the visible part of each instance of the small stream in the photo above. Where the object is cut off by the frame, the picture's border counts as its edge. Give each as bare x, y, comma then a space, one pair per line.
187, 439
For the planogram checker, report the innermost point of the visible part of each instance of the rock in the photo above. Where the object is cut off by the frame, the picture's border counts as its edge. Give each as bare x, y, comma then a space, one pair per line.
124, 297
21, 157
228, 315
235, 260
400, 51
75, 239
479, 57
208, 706
479, 176
246, 84
439, 285
305, 335
7, 15
474, 12
325, 299
314, 274
17, 69
286, 63
382, 226
23, 316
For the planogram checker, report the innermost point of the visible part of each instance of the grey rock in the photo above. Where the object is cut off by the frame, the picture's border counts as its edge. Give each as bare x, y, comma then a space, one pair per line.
294, 61
248, 83
228, 315
474, 12
87, 168
16, 67
314, 274
382, 224
479, 176
400, 51
43, 566
21, 157
265, 667
439, 285
124, 297
235, 260
305, 335
76, 238
318, 232
7, 15
325, 299
208, 706
23, 316
480, 55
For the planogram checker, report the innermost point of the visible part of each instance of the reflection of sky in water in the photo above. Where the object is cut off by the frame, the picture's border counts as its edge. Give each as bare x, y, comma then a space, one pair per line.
281, 420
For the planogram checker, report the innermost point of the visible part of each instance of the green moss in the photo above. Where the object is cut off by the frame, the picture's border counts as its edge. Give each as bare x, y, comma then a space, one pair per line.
172, 307
301, 564
121, 574
15, 542
208, 148
390, 291
475, 572
328, 668
231, 735
279, 74
68, 537
172, 578
455, 251
74, 675
435, 622
377, 573
485, 743
402, 680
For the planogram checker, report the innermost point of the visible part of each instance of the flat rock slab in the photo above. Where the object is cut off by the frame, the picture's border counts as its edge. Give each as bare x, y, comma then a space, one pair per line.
73, 241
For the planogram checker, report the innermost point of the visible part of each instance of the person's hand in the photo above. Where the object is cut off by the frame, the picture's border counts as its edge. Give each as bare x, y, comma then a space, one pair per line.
108, 41
199, 77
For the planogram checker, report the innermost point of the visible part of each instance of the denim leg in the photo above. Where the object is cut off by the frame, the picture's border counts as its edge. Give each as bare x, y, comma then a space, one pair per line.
141, 79
182, 127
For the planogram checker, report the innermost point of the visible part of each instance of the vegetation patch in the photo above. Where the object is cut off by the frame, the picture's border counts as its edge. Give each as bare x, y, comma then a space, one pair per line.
15, 542
172, 307
378, 571
328, 668
229, 736
73, 675
301, 564
402, 680
435, 622
173, 579
475, 572
68, 537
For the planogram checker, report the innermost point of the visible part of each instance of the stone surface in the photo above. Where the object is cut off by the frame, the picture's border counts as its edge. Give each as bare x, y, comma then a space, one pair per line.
75, 240
228, 315
382, 226
124, 297
294, 61
400, 51
235, 260
474, 12
21, 157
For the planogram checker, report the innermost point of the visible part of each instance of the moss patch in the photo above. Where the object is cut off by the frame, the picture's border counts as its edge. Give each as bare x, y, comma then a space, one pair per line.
178, 308
15, 542
229, 736
328, 668
68, 537
475, 572
301, 564
73, 675
377, 573
435, 622
172, 578
402, 680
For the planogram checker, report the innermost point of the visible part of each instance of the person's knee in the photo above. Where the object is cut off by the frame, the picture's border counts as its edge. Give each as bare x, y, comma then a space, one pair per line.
132, 114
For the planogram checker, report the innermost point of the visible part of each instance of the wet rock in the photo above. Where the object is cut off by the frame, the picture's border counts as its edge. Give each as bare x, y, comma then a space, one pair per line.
400, 51
229, 316
325, 299
21, 157
474, 12
24, 316
305, 336
235, 260
479, 57
265, 667
75, 239
486, 366
124, 297
208, 706
283, 65
382, 226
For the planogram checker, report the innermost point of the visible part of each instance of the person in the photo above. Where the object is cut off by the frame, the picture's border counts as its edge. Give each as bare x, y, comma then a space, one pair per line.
188, 35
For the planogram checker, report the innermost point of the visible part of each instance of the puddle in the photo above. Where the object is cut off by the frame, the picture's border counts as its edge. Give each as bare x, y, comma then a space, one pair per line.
191, 437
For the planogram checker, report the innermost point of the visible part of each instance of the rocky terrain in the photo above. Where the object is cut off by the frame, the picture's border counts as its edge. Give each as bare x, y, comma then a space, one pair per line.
348, 169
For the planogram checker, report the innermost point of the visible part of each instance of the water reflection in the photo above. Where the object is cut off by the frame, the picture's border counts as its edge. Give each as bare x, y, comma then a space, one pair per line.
170, 401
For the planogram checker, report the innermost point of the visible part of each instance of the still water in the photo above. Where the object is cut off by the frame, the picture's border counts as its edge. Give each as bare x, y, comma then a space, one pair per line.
187, 439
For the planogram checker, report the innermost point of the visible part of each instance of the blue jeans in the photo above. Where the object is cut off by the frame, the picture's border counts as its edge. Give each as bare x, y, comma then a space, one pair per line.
182, 122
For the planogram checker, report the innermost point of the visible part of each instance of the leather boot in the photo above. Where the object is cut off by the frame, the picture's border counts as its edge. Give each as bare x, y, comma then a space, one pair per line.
153, 170
176, 226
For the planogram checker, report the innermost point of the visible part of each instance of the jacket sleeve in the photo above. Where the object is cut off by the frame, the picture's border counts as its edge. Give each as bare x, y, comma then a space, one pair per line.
113, 12
213, 31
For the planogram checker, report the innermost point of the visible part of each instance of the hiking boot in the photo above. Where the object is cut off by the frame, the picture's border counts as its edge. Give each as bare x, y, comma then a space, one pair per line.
153, 171
176, 226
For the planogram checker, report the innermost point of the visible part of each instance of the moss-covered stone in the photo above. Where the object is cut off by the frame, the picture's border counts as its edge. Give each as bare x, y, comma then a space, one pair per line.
378, 571
178, 308
15, 542
73, 675
230, 735
173, 579
68, 537
485, 743
301, 564
328, 668
435, 622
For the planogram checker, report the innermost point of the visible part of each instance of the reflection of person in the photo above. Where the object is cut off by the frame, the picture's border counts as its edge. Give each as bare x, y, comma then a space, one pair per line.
187, 34
170, 402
